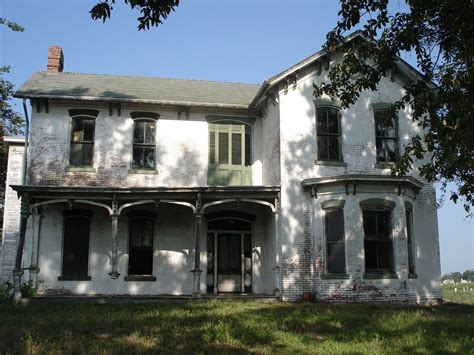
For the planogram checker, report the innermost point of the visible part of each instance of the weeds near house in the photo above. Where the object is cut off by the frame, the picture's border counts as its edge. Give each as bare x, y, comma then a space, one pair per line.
235, 327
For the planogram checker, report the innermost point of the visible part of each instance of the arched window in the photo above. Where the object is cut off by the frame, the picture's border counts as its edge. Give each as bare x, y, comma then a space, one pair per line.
81, 150
144, 140
386, 132
328, 130
75, 263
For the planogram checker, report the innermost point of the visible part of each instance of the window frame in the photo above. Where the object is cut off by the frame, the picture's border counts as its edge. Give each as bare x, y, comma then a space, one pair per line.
328, 135
80, 214
77, 114
136, 216
144, 117
380, 108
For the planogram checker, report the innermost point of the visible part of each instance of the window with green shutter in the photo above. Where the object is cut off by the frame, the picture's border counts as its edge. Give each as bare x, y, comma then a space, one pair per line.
229, 154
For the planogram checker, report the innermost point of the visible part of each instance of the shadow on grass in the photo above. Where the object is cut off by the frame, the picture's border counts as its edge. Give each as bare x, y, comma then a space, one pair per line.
235, 327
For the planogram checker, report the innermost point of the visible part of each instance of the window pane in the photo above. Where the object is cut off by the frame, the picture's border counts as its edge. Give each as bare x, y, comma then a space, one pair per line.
334, 226
381, 153
138, 159
384, 255
149, 157
150, 132
370, 250
247, 148
336, 258
138, 132
141, 233
370, 224
88, 130
322, 148
390, 147
212, 147
76, 246
383, 224
322, 123
140, 262
236, 149
87, 150
223, 148
333, 147
77, 130
76, 154
333, 120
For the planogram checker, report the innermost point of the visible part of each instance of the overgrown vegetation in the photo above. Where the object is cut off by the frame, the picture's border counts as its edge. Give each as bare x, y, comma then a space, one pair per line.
235, 327
459, 293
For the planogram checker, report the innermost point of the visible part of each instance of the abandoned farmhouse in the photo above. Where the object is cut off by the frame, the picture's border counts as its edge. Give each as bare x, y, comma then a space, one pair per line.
152, 186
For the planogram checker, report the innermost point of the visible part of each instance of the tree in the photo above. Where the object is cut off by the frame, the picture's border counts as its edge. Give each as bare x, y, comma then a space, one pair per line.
152, 12
11, 122
468, 275
439, 33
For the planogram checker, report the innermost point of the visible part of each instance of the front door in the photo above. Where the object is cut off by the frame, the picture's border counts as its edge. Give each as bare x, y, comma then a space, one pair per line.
229, 262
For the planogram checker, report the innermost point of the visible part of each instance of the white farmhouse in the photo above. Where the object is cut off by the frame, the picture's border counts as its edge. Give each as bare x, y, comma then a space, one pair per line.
153, 186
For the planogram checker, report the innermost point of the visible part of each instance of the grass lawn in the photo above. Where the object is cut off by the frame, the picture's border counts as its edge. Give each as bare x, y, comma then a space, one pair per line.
460, 293
235, 327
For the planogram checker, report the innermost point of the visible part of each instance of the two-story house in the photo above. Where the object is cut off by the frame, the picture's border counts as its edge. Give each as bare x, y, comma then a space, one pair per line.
153, 186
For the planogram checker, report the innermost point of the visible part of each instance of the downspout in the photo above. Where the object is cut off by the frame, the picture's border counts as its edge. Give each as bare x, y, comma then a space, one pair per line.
27, 131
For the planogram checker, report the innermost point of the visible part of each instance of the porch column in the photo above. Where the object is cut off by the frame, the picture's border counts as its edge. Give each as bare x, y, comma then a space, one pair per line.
36, 215
18, 272
114, 274
277, 268
197, 256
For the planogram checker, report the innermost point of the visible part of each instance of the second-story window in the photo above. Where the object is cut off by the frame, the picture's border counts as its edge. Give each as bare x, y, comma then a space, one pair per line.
386, 135
82, 141
144, 146
328, 128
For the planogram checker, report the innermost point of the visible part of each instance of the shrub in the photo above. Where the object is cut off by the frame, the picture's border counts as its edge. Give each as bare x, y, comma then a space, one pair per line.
6, 291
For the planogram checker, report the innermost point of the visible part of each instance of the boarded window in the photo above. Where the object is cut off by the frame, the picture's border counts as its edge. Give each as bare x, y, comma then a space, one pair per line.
140, 260
386, 136
328, 133
82, 141
144, 146
335, 251
76, 246
378, 246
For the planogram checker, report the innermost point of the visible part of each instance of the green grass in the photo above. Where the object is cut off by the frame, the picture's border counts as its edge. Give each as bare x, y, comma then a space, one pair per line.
461, 295
235, 327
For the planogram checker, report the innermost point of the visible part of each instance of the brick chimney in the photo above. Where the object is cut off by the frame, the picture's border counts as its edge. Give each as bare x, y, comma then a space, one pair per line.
55, 59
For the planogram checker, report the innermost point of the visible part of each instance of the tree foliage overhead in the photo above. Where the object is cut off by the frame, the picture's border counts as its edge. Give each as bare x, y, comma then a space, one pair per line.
440, 34
153, 12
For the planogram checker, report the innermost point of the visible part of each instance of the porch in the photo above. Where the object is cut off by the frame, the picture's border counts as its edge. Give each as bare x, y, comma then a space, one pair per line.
180, 242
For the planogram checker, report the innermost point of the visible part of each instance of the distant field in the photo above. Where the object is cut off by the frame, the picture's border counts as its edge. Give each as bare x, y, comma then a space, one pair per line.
461, 295
231, 327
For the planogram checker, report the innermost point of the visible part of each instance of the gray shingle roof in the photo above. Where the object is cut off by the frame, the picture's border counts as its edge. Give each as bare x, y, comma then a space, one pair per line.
136, 89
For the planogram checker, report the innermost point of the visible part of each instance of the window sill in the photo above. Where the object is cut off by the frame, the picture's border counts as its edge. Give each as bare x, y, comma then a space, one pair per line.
330, 163
143, 171
74, 278
140, 278
380, 275
81, 169
412, 276
335, 276
384, 165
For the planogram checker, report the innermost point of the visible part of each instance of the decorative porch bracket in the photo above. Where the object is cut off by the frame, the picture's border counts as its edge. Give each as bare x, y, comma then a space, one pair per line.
197, 250
18, 272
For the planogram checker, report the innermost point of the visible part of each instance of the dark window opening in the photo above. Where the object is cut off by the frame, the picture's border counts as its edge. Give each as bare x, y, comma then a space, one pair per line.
76, 246
378, 246
144, 146
410, 245
386, 136
328, 127
82, 141
335, 251
140, 259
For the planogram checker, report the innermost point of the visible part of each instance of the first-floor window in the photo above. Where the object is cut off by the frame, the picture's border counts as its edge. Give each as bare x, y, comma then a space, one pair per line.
335, 253
378, 246
76, 244
410, 246
140, 260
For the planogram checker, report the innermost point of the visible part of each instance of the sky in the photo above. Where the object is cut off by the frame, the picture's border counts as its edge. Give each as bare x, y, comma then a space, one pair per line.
233, 40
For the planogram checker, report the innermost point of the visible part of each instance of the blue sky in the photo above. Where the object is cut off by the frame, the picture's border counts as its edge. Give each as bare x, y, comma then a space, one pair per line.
232, 40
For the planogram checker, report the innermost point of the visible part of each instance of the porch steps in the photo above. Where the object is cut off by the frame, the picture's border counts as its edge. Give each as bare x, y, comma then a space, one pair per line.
135, 299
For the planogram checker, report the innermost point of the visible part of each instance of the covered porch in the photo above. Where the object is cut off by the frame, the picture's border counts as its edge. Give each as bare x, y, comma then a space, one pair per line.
150, 241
